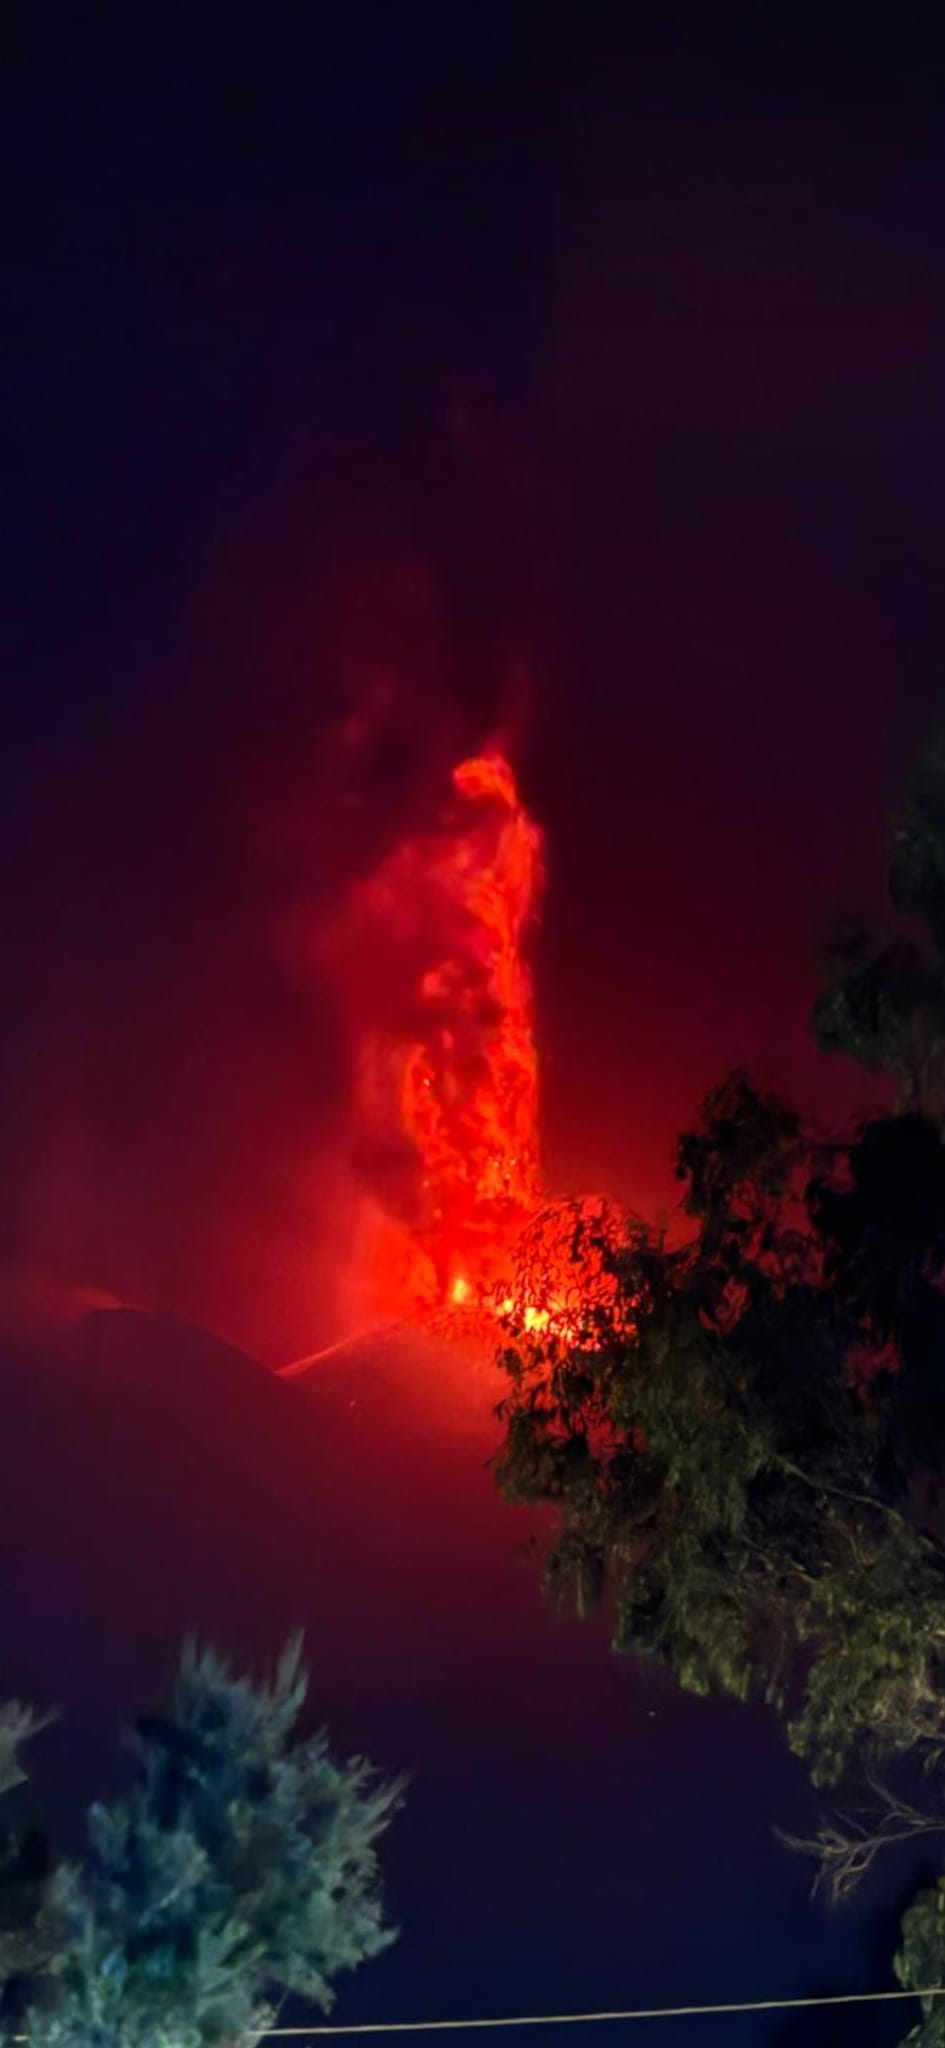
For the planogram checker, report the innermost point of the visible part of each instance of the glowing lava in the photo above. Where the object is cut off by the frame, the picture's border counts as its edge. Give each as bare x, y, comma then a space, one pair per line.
469, 1095
428, 956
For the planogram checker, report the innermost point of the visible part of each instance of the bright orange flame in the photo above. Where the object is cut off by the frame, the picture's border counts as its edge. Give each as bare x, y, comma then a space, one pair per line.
448, 1068
469, 1093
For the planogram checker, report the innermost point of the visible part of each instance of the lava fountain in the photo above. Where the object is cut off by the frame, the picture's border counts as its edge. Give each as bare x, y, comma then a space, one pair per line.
429, 956
469, 1096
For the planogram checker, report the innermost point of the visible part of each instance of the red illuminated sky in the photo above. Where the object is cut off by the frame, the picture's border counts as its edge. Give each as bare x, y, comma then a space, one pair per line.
587, 375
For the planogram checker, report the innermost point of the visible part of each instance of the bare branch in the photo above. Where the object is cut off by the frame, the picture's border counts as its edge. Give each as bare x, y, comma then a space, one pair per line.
847, 1845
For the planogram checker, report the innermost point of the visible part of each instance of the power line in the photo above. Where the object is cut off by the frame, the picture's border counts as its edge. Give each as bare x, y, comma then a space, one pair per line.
587, 2019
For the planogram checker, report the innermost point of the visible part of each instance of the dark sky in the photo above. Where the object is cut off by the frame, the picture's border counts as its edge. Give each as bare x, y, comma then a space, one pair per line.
580, 359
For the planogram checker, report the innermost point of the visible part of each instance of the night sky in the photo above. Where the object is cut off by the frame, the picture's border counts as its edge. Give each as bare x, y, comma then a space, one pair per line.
573, 371
576, 371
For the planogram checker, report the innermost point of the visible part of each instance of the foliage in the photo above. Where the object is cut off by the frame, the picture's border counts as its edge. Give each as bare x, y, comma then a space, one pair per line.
17, 1725
242, 1865
883, 995
919, 1962
744, 1448
735, 1447
725, 1464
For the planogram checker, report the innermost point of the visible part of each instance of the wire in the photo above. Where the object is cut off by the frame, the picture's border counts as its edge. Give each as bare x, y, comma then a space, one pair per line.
573, 2019
587, 2019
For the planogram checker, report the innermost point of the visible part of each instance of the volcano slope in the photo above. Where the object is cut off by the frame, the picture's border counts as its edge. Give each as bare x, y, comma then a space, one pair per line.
577, 1833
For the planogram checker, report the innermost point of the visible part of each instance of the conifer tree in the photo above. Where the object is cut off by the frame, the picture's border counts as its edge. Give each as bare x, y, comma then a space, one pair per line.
242, 1866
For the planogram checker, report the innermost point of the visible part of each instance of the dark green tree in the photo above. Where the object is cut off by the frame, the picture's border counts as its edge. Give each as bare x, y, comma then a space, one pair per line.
744, 1441
241, 1867
883, 995
733, 1442
918, 1964
732, 1450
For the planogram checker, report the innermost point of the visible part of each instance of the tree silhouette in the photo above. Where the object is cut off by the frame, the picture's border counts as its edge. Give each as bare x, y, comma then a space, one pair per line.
242, 1866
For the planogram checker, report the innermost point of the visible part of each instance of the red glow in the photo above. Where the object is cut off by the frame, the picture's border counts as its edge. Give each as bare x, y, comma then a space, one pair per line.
469, 1095
465, 1078
433, 953
563, 1281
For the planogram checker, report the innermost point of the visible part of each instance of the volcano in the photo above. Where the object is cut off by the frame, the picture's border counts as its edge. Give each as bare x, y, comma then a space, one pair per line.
577, 1833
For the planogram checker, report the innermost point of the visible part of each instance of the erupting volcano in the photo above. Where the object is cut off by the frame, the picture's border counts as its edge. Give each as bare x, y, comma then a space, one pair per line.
469, 1095
429, 956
